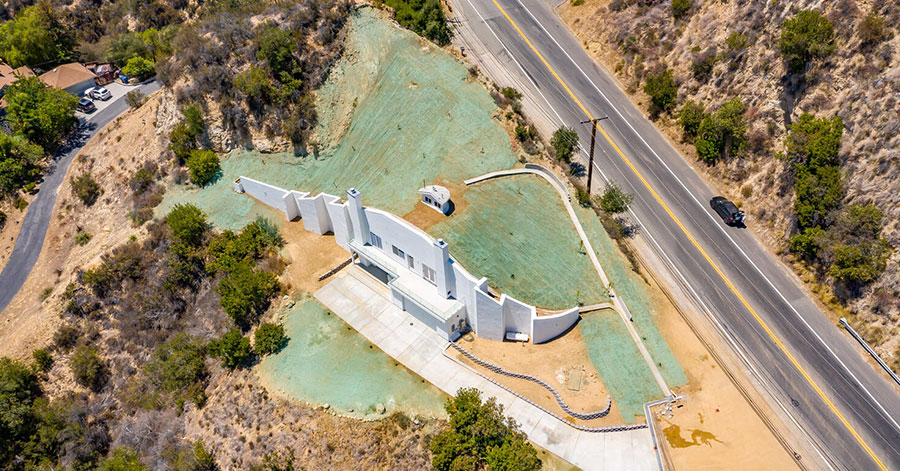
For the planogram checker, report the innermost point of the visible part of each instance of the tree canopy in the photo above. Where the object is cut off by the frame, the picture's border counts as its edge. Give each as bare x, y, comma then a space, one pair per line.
481, 437
35, 37
204, 166
662, 90
18, 163
722, 134
42, 114
188, 224
806, 37
563, 141
425, 17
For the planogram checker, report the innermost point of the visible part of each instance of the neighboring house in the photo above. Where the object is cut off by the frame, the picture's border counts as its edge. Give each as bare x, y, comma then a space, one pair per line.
73, 78
8, 75
105, 73
423, 279
436, 197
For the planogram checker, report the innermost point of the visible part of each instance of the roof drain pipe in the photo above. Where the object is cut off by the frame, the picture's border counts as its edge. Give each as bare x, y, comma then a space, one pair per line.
656, 447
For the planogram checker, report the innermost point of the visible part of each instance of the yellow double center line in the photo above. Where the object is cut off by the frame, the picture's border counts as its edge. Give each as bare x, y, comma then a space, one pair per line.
706, 256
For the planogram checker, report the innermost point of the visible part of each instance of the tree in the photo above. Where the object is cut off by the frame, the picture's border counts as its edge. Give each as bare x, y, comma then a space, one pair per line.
139, 67
269, 338
812, 146
723, 133
276, 48
426, 18
177, 366
18, 164
814, 142
680, 8
872, 30
19, 388
861, 263
690, 118
86, 188
35, 37
817, 192
188, 224
185, 135
480, 434
255, 83
233, 349
662, 90
123, 47
122, 458
806, 37
563, 142
614, 200
41, 114
204, 166
88, 368
809, 243
245, 293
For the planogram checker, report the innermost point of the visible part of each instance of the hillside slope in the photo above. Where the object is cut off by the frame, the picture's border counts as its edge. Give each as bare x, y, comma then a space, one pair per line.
859, 82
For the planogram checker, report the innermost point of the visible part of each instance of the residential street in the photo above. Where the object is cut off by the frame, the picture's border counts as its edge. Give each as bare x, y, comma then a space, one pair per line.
817, 374
37, 218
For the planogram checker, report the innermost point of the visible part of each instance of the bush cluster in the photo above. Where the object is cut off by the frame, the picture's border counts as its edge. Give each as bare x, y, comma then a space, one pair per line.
86, 188
721, 134
662, 91
806, 37
563, 142
481, 437
425, 17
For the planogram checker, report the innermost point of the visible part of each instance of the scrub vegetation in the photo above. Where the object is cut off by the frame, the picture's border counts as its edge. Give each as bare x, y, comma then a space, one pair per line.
793, 108
425, 17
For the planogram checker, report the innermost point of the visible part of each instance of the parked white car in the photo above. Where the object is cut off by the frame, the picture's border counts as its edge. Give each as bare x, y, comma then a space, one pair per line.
98, 93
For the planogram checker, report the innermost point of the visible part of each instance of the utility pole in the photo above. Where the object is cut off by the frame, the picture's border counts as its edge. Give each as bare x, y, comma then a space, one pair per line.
591, 154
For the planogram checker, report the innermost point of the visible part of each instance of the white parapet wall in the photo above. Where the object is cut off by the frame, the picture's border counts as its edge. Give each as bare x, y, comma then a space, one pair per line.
417, 252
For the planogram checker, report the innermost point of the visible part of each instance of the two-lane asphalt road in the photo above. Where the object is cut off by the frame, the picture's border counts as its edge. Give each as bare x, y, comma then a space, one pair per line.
848, 410
37, 219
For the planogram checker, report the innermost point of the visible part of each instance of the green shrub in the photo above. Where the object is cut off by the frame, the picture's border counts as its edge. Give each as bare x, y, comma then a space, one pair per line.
269, 338
122, 458
511, 94
814, 142
425, 17
134, 99
19, 163
139, 67
176, 364
188, 224
806, 37
42, 359
228, 249
722, 134
525, 133
66, 336
583, 196
19, 391
680, 8
690, 117
185, 136
563, 142
479, 435
703, 63
204, 166
245, 293
82, 238
808, 244
662, 91
860, 263
86, 188
614, 199
255, 83
88, 368
233, 349
812, 147
736, 42
142, 179
872, 30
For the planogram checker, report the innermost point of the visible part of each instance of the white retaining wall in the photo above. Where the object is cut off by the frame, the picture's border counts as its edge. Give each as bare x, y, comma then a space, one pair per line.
490, 318
546, 328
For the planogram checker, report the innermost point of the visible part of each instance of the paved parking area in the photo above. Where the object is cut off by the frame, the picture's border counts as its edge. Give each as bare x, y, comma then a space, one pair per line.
364, 303
117, 89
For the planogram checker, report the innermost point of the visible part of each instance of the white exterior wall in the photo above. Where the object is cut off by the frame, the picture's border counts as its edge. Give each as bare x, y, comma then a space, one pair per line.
517, 315
488, 317
547, 328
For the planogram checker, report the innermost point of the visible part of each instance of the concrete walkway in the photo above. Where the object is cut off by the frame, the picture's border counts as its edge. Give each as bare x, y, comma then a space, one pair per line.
618, 304
364, 303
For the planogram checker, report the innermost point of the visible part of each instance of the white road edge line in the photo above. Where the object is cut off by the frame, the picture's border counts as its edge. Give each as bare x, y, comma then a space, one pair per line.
716, 224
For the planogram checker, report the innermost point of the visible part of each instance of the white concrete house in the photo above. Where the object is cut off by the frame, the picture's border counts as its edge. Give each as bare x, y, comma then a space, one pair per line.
424, 279
436, 197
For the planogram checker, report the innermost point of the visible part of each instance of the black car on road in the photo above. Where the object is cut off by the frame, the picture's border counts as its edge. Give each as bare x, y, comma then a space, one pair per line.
727, 211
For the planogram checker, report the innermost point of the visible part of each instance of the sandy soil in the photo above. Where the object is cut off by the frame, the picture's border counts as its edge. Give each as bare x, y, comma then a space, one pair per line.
552, 362
423, 216
111, 156
10, 230
309, 256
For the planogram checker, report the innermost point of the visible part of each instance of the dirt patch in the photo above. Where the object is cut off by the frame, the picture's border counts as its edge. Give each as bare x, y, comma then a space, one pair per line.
10, 230
308, 255
554, 362
112, 156
424, 216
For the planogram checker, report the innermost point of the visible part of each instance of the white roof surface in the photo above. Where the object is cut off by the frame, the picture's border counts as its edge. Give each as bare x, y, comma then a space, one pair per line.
436, 192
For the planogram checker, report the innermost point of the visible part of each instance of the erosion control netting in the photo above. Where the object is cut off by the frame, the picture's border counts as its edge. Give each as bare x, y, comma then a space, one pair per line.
516, 232
326, 362
395, 113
